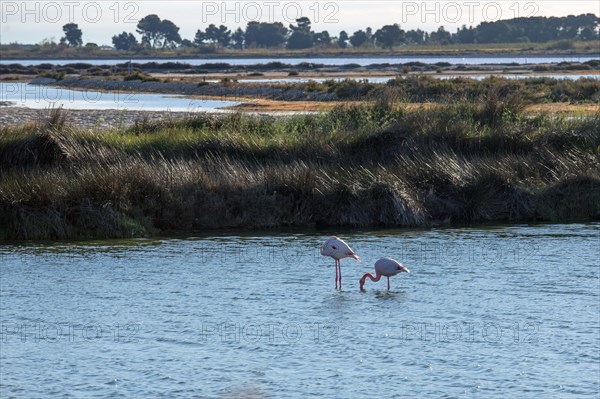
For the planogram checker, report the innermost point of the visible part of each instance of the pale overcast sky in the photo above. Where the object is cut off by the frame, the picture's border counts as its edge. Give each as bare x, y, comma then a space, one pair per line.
32, 21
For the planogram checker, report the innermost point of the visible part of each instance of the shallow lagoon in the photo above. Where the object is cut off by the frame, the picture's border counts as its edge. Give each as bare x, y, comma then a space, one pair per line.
485, 312
42, 97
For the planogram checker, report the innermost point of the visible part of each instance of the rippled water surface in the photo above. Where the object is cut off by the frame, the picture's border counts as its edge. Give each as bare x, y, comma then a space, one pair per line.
485, 312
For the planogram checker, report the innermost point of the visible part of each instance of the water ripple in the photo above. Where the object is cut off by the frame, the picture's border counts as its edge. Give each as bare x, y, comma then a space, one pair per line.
485, 312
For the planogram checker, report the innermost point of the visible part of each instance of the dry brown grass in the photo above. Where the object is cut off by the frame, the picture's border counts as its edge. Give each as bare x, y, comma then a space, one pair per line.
263, 105
354, 166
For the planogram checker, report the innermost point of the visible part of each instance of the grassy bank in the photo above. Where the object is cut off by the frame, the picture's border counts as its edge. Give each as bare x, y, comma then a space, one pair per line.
566, 48
374, 165
426, 88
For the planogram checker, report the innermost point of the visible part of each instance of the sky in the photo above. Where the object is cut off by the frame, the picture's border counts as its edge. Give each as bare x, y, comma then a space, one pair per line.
33, 21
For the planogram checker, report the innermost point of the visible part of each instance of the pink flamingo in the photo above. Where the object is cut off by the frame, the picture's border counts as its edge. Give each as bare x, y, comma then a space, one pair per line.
384, 267
338, 249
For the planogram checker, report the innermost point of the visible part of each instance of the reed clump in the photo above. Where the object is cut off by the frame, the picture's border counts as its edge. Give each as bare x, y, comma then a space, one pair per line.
426, 88
356, 166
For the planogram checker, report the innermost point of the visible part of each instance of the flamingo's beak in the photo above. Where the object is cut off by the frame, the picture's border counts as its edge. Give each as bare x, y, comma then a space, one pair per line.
403, 269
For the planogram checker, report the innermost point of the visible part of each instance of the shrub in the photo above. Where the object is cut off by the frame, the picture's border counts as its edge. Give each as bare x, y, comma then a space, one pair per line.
562, 45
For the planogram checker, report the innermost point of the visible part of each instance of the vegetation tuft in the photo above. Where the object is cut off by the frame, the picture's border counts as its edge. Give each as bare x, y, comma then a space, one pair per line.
356, 166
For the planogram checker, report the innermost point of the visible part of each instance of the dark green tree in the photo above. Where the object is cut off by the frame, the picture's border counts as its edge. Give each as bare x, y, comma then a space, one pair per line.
441, 36
224, 36
218, 35
252, 34
150, 29
303, 25
389, 35
416, 36
199, 38
302, 36
158, 33
342, 40
588, 34
237, 39
570, 26
186, 43
534, 29
465, 35
263, 34
358, 38
299, 40
322, 39
73, 35
369, 33
212, 33
588, 26
273, 34
125, 41
170, 34
493, 32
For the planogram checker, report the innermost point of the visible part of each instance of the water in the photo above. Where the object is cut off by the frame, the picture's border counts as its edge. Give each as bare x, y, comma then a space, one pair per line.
485, 312
42, 97
326, 60
385, 79
518, 77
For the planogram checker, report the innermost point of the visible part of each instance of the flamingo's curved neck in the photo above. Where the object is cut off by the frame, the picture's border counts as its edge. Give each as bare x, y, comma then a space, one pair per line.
369, 275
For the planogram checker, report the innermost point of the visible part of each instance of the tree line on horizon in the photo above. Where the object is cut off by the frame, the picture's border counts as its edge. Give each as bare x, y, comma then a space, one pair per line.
157, 33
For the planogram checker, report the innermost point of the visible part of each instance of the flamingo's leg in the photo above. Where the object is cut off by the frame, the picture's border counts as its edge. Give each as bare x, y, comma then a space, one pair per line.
336, 274
340, 267
388, 283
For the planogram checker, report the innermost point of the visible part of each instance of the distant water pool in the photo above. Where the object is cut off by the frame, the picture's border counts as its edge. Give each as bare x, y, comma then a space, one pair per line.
385, 79
41, 97
337, 61
498, 312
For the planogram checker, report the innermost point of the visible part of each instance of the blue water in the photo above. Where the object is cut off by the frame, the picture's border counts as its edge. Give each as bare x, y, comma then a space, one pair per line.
506, 312
385, 79
326, 60
42, 97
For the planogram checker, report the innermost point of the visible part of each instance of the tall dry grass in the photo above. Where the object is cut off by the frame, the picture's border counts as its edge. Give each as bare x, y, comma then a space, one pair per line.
357, 166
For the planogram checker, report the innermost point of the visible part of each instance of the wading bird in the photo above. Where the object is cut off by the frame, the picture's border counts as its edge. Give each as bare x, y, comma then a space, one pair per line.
338, 249
384, 267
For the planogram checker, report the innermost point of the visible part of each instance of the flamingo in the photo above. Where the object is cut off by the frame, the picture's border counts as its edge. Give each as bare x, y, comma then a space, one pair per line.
384, 267
338, 249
